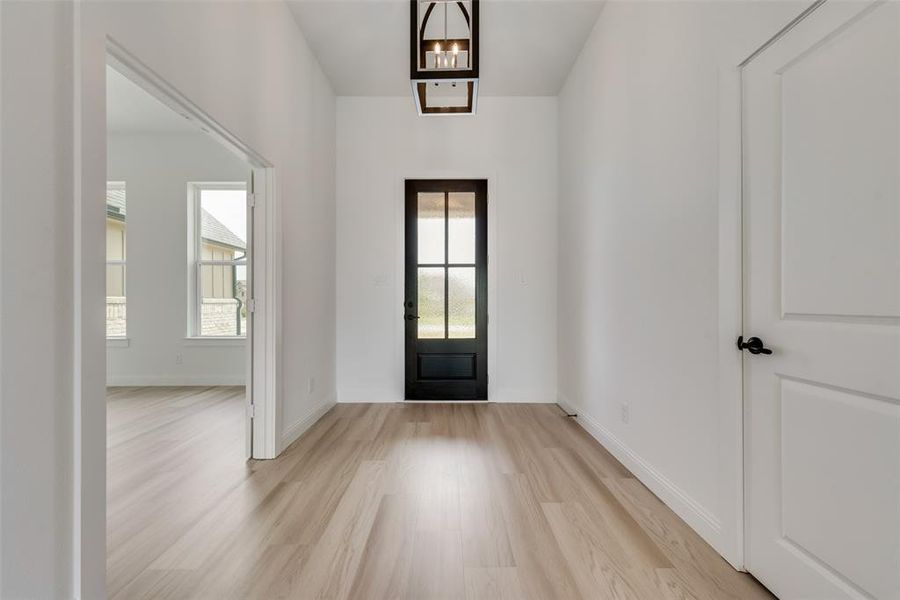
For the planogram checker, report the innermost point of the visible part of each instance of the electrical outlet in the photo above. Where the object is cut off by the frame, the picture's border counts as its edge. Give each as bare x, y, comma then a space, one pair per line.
179, 359
626, 413
311, 385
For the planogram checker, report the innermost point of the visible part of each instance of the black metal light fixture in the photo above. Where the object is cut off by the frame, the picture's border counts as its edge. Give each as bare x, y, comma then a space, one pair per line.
444, 56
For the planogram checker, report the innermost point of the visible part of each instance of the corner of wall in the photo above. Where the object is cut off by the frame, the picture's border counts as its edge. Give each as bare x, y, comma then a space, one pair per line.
296, 429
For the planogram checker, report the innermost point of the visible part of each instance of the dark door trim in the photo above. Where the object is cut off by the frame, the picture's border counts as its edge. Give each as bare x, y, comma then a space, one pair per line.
446, 369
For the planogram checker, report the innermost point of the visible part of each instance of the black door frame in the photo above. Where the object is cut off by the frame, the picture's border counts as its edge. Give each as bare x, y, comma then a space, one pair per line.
465, 388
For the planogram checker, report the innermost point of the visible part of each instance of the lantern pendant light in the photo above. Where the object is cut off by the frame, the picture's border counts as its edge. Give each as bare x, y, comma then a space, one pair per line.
444, 56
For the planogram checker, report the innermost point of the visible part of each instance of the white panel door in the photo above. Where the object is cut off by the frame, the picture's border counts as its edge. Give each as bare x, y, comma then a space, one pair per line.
821, 135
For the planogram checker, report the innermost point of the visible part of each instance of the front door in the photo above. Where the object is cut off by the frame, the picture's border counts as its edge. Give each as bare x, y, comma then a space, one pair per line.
821, 131
445, 308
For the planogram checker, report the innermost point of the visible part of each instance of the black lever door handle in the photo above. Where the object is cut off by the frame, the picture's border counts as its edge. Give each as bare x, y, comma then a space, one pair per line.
753, 345
412, 317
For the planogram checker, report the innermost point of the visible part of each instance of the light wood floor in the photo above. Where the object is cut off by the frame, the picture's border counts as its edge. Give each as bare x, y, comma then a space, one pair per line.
414, 501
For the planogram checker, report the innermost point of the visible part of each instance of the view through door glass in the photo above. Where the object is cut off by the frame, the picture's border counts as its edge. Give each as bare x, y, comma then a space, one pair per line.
446, 290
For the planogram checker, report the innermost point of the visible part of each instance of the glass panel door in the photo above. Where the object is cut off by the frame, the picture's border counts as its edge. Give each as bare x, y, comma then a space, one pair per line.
446, 287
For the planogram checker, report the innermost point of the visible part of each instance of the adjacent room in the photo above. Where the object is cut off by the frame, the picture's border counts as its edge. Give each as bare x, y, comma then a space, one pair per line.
450, 299
176, 320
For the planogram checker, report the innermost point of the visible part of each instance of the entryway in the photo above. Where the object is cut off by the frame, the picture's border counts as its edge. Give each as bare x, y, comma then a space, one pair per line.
821, 148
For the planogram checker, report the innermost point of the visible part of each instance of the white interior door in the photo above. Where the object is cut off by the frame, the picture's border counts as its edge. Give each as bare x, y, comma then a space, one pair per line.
821, 135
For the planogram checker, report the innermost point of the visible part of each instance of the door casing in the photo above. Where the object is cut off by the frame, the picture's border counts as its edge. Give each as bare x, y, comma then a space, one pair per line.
726, 530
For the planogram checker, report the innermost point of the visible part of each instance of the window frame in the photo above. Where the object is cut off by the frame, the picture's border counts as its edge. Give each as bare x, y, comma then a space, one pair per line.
196, 262
119, 263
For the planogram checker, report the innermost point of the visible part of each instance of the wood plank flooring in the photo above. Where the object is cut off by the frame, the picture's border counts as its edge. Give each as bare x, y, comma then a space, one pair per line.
401, 501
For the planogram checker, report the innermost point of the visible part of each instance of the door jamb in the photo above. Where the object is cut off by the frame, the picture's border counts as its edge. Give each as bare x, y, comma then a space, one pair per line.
262, 344
732, 286
730, 320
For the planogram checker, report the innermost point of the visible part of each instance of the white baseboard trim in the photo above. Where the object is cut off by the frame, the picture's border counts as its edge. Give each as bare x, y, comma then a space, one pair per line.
373, 395
701, 520
150, 380
300, 426
521, 396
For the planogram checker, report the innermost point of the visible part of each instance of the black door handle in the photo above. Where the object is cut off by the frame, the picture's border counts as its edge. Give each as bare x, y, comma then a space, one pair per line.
753, 345
412, 317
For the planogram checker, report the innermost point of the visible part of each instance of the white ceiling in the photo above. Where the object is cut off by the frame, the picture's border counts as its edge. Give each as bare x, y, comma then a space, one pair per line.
130, 109
527, 46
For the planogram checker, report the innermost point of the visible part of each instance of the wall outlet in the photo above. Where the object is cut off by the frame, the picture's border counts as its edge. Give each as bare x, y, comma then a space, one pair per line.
311, 385
626, 413
179, 359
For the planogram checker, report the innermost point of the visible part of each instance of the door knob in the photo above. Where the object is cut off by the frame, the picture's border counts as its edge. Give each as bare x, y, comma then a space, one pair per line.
753, 345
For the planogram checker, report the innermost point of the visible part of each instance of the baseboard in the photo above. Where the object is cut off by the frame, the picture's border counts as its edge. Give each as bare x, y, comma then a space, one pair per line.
701, 520
293, 431
376, 395
521, 396
149, 381
570, 410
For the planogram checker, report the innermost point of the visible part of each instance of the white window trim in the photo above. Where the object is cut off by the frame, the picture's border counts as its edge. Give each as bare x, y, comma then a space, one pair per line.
195, 262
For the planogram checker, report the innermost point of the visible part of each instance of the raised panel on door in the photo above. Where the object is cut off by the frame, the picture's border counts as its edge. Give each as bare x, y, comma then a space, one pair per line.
821, 136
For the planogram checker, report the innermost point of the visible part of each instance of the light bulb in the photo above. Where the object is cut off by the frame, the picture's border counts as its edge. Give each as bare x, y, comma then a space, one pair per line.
455, 49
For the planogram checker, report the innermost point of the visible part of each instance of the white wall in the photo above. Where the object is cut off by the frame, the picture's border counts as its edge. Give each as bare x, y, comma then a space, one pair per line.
36, 419
512, 143
156, 169
639, 283
247, 65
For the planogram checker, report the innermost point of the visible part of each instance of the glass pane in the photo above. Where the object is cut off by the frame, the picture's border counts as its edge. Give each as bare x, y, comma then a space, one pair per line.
223, 223
115, 220
223, 297
461, 209
115, 239
115, 280
115, 300
431, 228
461, 302
431, 302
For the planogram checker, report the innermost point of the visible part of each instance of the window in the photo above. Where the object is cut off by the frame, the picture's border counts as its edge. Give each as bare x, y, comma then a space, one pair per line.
115, 260
218, 233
